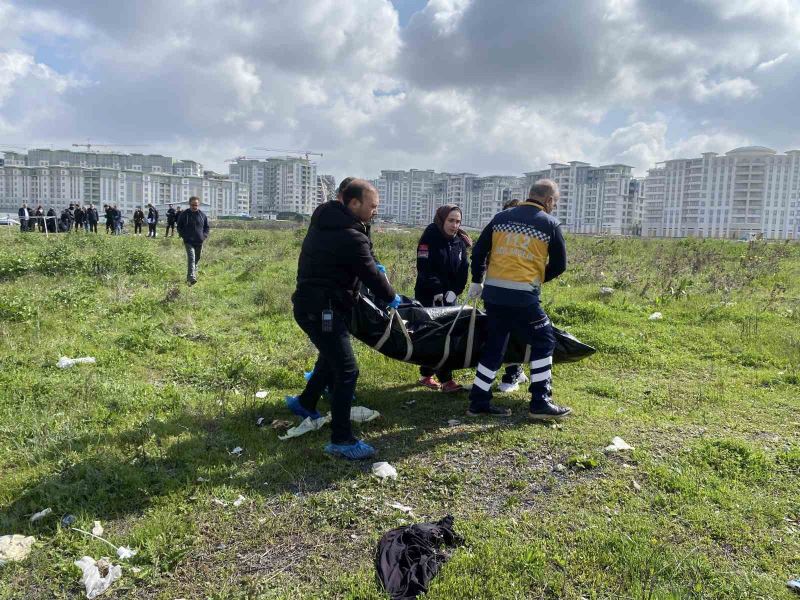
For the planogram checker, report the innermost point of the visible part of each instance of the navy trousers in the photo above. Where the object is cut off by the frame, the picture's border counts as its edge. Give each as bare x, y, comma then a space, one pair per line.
535, 325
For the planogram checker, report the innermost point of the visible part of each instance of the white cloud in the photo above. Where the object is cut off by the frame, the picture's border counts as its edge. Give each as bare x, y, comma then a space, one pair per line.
769, 64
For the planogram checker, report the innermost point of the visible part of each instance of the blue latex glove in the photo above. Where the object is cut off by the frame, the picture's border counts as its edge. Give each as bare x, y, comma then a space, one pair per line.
396, 302
381, 268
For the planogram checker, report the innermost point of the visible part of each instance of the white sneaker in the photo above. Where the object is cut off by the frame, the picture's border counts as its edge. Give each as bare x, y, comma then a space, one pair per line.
507, 388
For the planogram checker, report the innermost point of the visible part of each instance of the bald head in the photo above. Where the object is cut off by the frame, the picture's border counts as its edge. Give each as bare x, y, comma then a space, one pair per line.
545, 192
361, 197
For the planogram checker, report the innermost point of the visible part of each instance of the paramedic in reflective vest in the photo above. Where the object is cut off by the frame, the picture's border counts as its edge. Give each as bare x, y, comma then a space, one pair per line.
518, 251
335, 258
442, 272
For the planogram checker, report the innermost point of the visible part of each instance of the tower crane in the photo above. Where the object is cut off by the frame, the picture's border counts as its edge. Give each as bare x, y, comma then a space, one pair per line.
88, 145
307, 153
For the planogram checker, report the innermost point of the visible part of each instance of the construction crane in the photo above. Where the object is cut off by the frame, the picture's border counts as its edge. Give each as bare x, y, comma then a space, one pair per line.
12, 146
237, 158
88, 145
307, 153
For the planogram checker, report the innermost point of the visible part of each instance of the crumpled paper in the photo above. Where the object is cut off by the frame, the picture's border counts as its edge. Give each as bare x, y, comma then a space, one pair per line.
65, 362
384, 470
97, 575
618, 445
15, 547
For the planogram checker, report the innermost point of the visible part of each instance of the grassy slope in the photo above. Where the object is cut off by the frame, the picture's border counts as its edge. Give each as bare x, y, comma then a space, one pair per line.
708, 396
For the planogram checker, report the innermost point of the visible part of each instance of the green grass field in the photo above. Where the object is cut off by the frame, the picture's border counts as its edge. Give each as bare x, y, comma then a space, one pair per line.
706, 506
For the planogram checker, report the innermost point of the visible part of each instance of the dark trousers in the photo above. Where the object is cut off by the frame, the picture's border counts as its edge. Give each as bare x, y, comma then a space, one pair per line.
193, 251
23, 225
535, 325
137, 227
443, 376
109, 227
151, 230
93, 227
336, 368
169, 226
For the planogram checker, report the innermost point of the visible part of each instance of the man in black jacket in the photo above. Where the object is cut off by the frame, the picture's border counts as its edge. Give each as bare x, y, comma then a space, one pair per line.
80, 215
335, 258
24, 217
171, 218
193, 230
92, 218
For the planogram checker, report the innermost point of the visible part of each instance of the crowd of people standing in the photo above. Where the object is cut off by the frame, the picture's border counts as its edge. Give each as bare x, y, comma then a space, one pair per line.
77, 217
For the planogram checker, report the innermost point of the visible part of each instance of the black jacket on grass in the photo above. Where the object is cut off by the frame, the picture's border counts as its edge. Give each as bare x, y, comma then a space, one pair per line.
442, 265
335, 258
193, 227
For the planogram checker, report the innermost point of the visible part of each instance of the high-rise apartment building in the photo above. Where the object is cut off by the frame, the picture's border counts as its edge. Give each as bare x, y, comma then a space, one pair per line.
750, 191
596, 200
326, 188
286, 184
406, 196
56, 178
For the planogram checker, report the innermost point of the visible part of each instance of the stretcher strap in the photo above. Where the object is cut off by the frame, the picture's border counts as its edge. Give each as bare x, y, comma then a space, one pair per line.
446, 353
409, 344
471, 335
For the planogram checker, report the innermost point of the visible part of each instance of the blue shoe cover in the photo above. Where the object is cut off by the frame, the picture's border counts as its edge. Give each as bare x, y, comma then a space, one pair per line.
357, 451
293, 404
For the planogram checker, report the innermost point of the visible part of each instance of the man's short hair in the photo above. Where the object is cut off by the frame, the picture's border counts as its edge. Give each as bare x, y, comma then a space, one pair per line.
542, 189
355, 190
343, 184
512, 203
194, 198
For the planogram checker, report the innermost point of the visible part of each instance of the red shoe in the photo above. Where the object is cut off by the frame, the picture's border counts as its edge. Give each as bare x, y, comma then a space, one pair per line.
429, 382
451, 387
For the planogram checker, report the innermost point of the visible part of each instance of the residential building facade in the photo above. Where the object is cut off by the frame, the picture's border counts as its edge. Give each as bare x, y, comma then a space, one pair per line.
749, 192
286, 184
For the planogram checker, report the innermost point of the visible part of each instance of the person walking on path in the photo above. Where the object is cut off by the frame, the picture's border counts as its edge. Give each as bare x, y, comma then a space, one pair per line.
519, 250
152, 220
171, 218
336, 257
193, 230
442, 272
92, 218
138, 219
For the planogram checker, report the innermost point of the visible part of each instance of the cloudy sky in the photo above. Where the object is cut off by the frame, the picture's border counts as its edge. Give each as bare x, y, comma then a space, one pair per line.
487, 86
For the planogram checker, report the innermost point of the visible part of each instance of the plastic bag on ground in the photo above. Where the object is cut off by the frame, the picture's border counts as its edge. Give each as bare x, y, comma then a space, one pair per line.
41, 514
307, 425
362, 414
384, 470
97, 575
656, 316
124, 553
97, 529
794, 585
65, 362
15, 547
618, 445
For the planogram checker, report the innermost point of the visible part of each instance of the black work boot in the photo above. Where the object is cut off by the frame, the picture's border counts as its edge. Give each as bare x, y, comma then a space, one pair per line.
547, 411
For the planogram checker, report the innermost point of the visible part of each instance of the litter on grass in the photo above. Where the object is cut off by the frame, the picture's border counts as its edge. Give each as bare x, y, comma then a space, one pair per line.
41, 514
362, 414
280, 424
98, 575
794, 585
97, 529
401, 507
260, 422
123, 552
606, 291
15, 547
384, 470
656, 316
68, 520
261, 394
307, 425
238, 502
237, 451
618, 445
453, 422
65, 362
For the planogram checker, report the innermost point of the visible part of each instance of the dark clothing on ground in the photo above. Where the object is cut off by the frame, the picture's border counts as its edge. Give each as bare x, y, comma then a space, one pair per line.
335, 369
193, 226
335, 258
442, 265
409, 557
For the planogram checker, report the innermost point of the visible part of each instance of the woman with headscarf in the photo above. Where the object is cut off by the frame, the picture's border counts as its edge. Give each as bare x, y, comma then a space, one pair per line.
442, 271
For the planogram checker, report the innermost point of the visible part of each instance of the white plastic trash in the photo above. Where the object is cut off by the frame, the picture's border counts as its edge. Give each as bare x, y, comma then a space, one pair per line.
618, 445
307, 425
384, 470
362, 414
98, 575
656, 316
65, 362
261, 394
401, 507
41, 514
239, 501
15, 547
97, 529
124, 553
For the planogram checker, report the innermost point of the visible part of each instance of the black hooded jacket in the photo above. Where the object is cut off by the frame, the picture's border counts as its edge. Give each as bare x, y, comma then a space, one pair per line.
442, 265
335, 258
